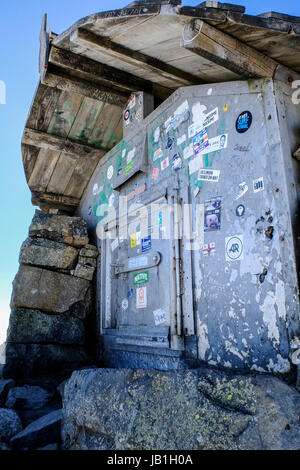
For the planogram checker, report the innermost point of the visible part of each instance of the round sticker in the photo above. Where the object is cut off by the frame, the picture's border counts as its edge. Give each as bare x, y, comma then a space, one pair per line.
240, 210
110, 172
234, 248
126, 115
243, 122
124, 304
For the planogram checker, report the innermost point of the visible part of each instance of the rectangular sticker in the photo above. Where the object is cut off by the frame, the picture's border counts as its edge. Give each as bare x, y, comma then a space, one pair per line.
215, 144
258, 185
160, 316
207, 121
158, 154
196, 164
141, 297
128, 167
209, 175
200, 141
188, 151
139, 262
212, 214
146, 244
164, 164
141, 278
209, 249
155, 173
132, 240
181, 139
130, 155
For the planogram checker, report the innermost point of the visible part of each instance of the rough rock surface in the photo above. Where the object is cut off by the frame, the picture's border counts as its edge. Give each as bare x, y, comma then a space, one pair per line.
33, 326
10, 424
176, 410
46, 290
5, 386
29, 396
89, 251
41, 252
60, 228
41, 432
32, 360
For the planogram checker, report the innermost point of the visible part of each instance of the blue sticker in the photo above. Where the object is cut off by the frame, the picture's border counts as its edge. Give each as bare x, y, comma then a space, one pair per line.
240, 210
177, 162
146, 244
90, 210
243, 122
169, 143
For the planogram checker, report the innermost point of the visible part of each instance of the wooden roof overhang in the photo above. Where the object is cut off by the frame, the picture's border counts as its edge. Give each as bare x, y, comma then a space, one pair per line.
88, 72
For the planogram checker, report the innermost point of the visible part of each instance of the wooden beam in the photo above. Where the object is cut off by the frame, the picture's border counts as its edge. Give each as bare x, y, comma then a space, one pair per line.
60, 144
89, 40
57, 79
102, 74
44, 47
54, 200
223, 49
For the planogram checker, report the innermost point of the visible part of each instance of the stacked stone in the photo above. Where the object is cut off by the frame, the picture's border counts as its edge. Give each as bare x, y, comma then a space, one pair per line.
52, 295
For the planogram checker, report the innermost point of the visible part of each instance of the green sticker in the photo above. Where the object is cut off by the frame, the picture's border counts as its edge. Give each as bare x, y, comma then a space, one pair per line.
128, 167
141, 278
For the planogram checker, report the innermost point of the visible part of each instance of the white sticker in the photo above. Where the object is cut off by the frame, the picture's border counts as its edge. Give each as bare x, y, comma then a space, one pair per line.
234, 248
131, 103
141, 297
156, 134
188, 151
110, 172
160, 316
209, 175
211, 117
124, 153
209, 91
164, 164
258, 185
130, 155
114, 244
201, 120
216, 143
124, 304
244, 189
95, 189
136, 263
181, 139
138, 238
196, 164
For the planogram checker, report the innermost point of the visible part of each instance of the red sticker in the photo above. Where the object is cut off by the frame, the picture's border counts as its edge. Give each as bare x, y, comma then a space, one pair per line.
155, 173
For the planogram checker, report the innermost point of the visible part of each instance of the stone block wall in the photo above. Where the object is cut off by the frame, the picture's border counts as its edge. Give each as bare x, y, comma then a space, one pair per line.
51, 299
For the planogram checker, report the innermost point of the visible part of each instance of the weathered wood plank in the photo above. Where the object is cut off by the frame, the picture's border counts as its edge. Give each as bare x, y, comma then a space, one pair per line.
65, 114
101, 73
61, 174
54, 200
43, 170
224, 50
65, 82
93, 41
44, 48
51, 142
29, 156
43, 107
108, 129
85, 120
80, 177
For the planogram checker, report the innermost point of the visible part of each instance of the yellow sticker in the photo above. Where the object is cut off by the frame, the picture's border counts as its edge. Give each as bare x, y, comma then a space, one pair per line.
133, 240
225, 107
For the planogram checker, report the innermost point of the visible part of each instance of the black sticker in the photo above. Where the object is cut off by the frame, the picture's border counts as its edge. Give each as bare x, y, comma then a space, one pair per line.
126, 115
240, 210
243, 122
169, 143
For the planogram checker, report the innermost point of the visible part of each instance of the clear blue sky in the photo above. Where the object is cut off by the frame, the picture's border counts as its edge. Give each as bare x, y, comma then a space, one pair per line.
20, 22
